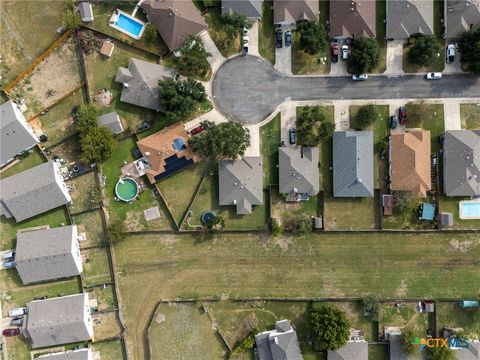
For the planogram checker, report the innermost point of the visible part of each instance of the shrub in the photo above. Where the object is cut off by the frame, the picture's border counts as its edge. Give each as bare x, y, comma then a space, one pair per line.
330, 327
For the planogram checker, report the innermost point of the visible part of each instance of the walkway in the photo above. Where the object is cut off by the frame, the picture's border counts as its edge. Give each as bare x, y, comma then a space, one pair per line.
217, 58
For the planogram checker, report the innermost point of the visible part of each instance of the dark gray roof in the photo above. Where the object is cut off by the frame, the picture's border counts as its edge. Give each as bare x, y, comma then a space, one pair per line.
58, 321
353, 164
298, 170
461, 163
279, 344
461, 16
142, 79
111, 121
408, 17
249, 8
16, 137
472, 352
241, 183
32, 192
86, 13
46, 254
82, 354
353, 350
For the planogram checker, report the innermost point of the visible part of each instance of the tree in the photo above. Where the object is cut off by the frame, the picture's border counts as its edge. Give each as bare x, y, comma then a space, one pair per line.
424, 51
439, 353
408, 341
313, 37
116, 231
227, 140
180, 98
469, 47
86, 118
313, 127
370, 307
298, 224
97, 145
330, 327
71, 20
215, 223
365, 116
151, 33
365, 55
236, 21
193, 58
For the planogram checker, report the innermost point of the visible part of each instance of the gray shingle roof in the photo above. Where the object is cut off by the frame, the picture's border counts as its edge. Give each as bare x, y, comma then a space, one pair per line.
32, 192
15, 137
43, 255
111, 121
298, 170
353, 350
472, 352
86, 13
58, 321
405, 18
279, 344
82, 354
461, 163
142, 87
241, 183
291, 11
249, 8
353, 164
461, 16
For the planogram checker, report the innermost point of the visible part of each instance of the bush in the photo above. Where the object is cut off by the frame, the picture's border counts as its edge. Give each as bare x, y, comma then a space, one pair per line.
299, 224
215, 223
116, 231
193, 58
247, 344
364, 56
408, 339
330, 327
86, 118
424, 51
370, 307
97, 145
313, 127
313, 37
151, 33
180, 99
439, 353
365, 116
277, 228
469, 47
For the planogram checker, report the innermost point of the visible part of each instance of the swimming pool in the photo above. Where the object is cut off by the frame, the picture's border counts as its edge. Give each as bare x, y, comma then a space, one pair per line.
126, 189
469, 209
127, 24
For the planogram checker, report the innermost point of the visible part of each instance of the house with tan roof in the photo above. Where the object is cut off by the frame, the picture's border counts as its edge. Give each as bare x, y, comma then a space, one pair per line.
289, 12
410, 161
350, 19
175, 20
165, 153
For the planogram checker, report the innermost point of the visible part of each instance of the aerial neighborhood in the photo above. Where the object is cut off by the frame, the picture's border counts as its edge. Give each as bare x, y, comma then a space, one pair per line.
240, 179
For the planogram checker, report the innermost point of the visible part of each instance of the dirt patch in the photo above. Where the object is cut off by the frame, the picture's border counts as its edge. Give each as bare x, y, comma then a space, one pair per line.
133, 221
462, 246
283, 242
160, 318
402, 289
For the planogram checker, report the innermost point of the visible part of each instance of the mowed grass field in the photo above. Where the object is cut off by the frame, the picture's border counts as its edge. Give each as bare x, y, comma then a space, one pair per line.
156, 267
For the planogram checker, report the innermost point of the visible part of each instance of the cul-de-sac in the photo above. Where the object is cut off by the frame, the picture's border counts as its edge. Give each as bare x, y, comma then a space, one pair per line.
240, 180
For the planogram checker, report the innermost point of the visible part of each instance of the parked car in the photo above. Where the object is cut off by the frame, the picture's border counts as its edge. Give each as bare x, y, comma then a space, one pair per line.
245, 49
246, 31
402, 115
17, 312
292, 136
40, 297
334, 51
344, 52
17, 321
393, 121
359, 77
288, 38
196, 130
450, 53
434, 76
278, 39
8, 254
11, 332
9, 264
245, 39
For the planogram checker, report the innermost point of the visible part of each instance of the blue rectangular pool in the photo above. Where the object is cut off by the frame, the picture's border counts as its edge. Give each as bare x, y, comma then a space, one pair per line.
469, 209
129, 25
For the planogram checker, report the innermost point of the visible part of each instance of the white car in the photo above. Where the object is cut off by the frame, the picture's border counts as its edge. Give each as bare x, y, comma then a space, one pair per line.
450, 55
245, 39
359, 77
17, 312
344, 52
434, 76
245, 31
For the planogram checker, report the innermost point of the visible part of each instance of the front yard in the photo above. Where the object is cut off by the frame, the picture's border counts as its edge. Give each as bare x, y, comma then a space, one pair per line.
216, 29
266, 33
470, 115
269, 143
304, 63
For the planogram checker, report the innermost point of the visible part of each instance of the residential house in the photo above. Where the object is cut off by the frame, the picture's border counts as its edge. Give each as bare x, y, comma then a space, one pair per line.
16, 135
86, 12
289, 12
409, 17
81, 354
241, 183
61, 320
350, 19
461, 16
461, 163
111, 121
352, 350
140, 83
33, 192
251, 9
48, 254
298, 172
471, 352
175, 20
410, 167
278, 344
353, 164
165, 153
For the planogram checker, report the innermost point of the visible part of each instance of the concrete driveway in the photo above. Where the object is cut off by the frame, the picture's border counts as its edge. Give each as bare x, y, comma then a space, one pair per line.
455, 67
283, 60
394, 58
339, 68
288, 120
253, 40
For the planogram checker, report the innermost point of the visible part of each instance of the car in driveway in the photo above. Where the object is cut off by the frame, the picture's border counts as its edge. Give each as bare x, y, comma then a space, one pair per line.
17, 312
245, 49
292, 136
359, 77
246, 31
335, 51
393, 121
8, 255
9, 264
245, 39
402, 115
450, 53
344, 52
288, 38
17, 321
196, 130
11, 332
434, 76
278, 39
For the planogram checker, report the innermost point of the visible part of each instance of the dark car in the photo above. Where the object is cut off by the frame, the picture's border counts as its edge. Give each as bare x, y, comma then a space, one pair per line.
197, 130
292, 136
11, 332
393, 121
402, 115
288, 38
278, 39
335, 51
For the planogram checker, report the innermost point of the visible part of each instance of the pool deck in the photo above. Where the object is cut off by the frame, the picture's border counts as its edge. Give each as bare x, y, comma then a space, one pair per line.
114, 19
464, 216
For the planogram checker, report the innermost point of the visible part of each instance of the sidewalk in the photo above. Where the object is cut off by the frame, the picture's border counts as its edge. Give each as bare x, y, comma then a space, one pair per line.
217, 58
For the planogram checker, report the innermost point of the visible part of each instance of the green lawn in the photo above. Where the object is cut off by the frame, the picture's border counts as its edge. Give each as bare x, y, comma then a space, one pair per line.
470, 115
269, 143
304, 63
451, 315
216, 30
96, 270
378, 352
381, 30
408, 315
26, 161
282, 210
104, 298
86, 194
450, 204
91, 224
428, 117
18, 348
349, 213
109, 350
266, 32
437, 66
438, 16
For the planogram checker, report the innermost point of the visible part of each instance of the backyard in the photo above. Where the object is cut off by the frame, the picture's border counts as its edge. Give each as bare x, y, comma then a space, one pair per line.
405, 315
106, 326
90, 223
24, 162
86, 194
95, 266
283, 210
104, 296
450, 205
109, 350
470, 115
269, 142
349, 213
451, 315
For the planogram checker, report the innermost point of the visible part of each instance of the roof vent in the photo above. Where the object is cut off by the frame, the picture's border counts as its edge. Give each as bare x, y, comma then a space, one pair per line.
234, 202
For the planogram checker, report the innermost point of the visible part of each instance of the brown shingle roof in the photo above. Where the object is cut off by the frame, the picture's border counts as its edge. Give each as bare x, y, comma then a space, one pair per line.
175, 20
352, 18
410, 161
295, 10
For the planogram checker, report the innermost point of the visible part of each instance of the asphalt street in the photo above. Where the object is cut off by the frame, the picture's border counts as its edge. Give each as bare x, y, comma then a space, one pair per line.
247, 89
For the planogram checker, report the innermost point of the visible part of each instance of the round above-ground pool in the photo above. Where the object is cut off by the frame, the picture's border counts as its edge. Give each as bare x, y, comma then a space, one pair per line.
126, 189
207, 215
